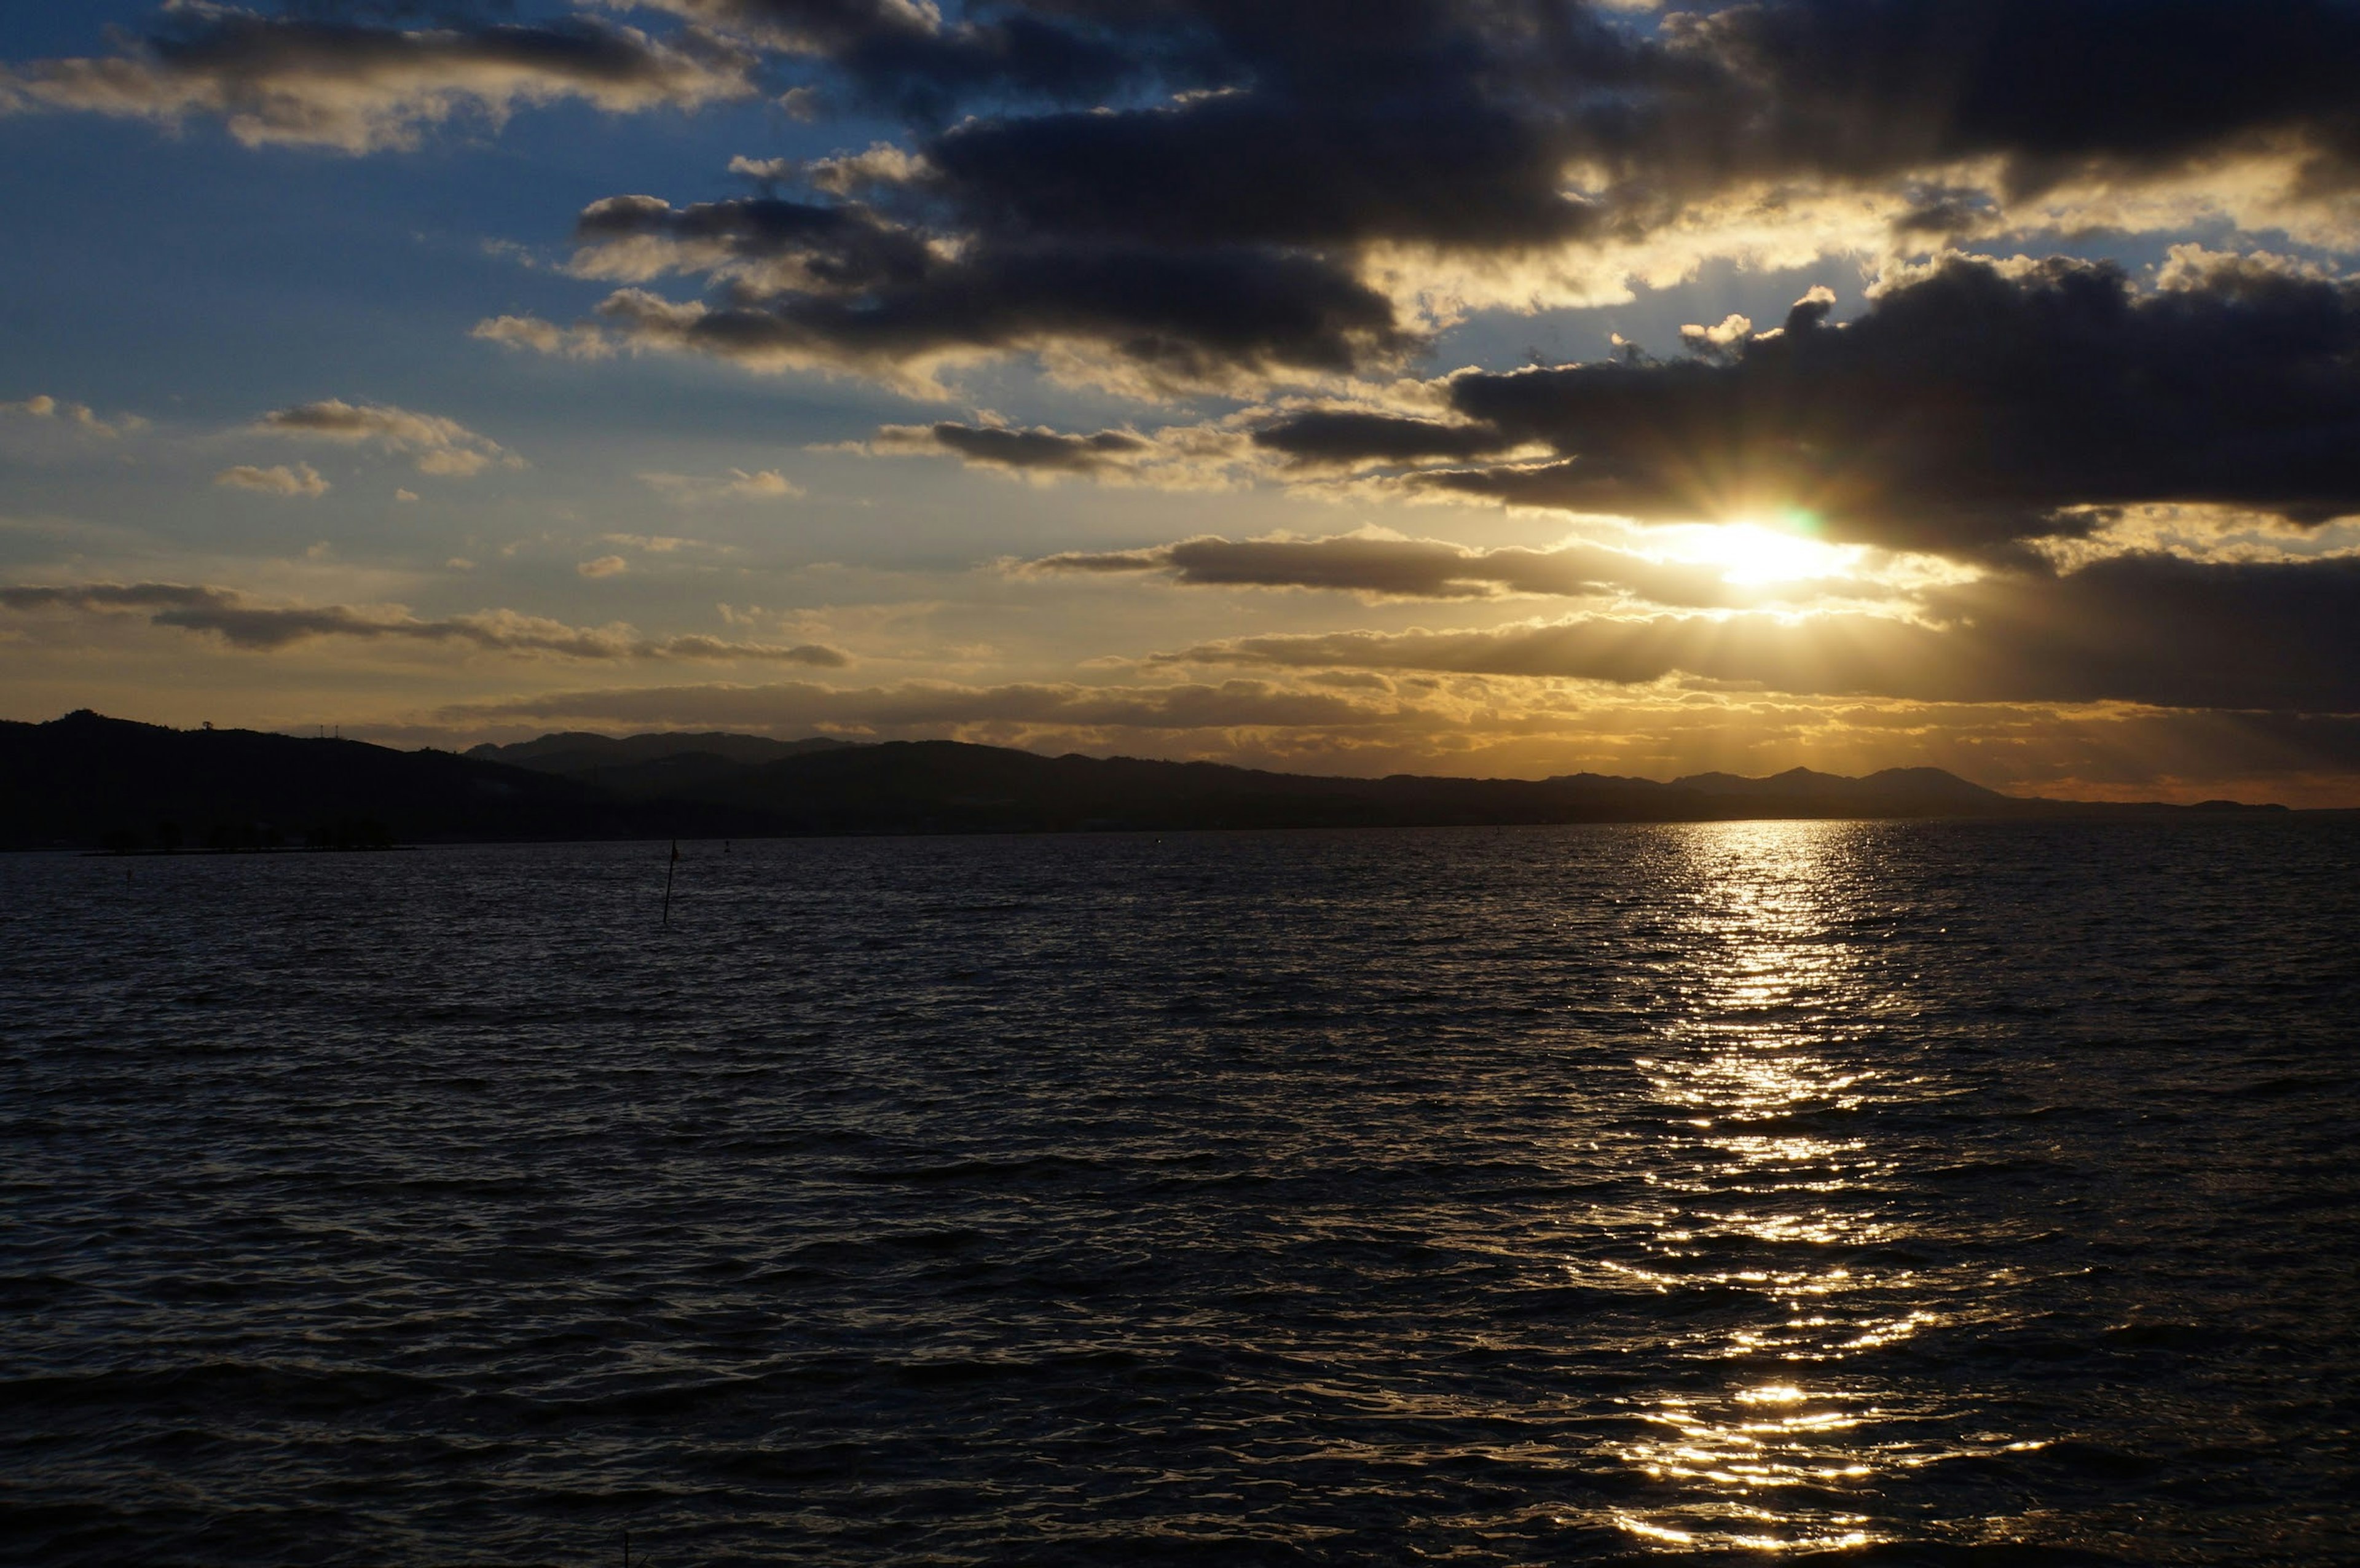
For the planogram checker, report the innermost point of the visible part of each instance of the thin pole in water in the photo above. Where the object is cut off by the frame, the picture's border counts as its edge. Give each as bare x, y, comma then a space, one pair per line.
668, 867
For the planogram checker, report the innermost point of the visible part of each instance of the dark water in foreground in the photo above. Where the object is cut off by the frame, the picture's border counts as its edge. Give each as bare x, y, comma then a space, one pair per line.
1940, 1194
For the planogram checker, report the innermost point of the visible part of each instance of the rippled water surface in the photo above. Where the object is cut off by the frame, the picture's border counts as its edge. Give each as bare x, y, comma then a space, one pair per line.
1913, 1192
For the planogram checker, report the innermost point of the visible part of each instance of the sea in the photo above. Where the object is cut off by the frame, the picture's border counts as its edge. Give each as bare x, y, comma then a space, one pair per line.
1917, 1192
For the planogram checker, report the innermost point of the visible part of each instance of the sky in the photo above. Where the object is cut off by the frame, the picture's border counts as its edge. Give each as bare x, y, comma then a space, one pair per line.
1489, 388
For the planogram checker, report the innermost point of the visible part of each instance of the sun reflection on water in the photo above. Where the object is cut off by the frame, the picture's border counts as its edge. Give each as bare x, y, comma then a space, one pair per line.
1774, 1209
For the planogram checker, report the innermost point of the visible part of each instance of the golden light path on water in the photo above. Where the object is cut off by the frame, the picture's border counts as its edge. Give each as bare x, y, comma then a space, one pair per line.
1786, 1437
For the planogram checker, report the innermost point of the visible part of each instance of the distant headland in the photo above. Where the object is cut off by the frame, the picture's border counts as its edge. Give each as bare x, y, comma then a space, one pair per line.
88, 781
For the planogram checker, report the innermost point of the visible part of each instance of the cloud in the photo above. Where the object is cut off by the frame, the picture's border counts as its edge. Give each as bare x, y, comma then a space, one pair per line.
1193, 194
2148, 628
935, 705
722, 650
736, 485
904, 56
1973, 404
1528, 723
434, 444
1033, 451
239, 620
41, 406
1377, 564
277, 480
603, 566
545, 337
356, 87
1177, 457
1729, 333
1348, 438
839, 287
1842, 86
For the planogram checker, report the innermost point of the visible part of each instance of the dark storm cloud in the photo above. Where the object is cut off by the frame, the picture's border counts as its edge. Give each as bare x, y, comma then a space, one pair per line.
1963, 410
1454, 122
2142, 628
1345, 437
359, 85
840, 286
904, 56
1865, 86
1209, 237
2158, 628
1324, 100
239, 621
1034, 451
1251, 168
1212, 190
1970, 410
834, 248
1339, 122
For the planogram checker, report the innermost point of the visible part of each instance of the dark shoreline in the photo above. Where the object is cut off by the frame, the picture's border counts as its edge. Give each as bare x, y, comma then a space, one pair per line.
90, 782
265, 849
2135, 815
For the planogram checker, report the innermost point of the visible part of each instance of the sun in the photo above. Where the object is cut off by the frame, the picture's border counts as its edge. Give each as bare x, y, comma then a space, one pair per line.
1751, 553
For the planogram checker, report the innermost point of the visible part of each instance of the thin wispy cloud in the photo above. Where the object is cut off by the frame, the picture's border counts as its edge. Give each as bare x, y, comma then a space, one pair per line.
435, 445
736, 485
360, 87
278, 479
1377, 565
41, 406
243, 621
2140, 628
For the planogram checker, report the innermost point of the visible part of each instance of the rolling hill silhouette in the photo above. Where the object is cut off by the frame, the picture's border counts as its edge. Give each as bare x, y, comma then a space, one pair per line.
85, 780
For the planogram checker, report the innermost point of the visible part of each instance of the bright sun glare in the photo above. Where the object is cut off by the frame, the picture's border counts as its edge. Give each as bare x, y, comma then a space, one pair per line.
1752, 553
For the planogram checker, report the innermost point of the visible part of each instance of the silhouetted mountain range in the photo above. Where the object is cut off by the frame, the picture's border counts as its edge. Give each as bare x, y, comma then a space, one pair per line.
650, 767
89, 781
1929, 787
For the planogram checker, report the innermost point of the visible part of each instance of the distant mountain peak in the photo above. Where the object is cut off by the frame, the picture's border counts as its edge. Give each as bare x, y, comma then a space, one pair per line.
1925, 784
